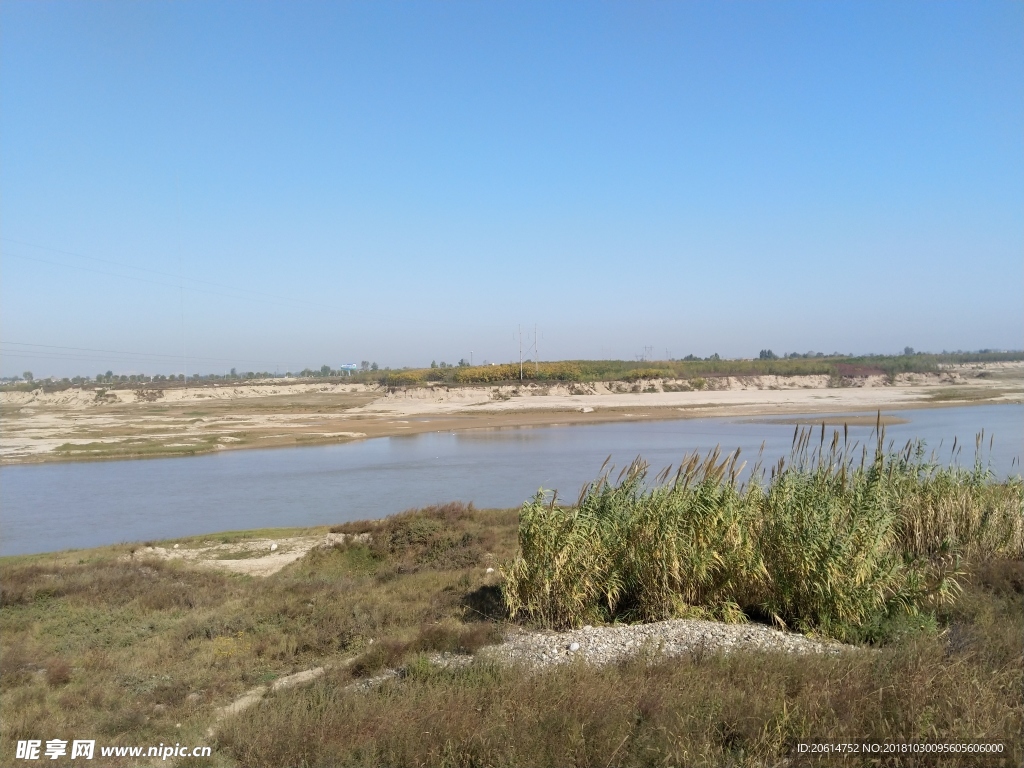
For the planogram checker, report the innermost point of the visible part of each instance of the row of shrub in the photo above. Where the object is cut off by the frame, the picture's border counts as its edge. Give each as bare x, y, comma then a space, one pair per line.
511, 372
484, 374
839, 367
829, 544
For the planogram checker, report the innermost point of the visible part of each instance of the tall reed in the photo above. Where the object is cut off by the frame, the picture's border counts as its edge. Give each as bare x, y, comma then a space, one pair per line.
829, 540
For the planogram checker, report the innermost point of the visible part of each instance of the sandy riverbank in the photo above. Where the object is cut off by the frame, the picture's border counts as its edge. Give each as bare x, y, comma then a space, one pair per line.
77, 424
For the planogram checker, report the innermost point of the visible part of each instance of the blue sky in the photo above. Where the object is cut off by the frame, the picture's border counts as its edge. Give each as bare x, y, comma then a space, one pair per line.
289, 184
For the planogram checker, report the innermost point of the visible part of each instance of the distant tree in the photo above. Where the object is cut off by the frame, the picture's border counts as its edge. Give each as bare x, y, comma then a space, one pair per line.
690, 357
325, 370
463, 363
908, 350
364, 365
27, 375
715, 357
181, 377
767, 354
433, 363
373, 366
233, 373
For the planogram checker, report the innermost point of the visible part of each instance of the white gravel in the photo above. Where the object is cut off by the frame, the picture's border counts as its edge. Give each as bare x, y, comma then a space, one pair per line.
603, 645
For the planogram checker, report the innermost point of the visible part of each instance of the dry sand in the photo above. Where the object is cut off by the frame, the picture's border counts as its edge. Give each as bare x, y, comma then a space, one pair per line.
77, 424
253, 557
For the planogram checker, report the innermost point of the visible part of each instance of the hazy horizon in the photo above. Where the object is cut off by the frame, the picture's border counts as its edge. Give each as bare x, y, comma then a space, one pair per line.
167, 368
276, 186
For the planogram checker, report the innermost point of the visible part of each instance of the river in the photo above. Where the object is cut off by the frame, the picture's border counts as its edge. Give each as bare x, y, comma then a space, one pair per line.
50, 507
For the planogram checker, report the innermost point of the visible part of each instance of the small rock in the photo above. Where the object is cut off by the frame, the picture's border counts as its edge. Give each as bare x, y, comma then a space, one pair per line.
489, 570
273, 547
176, 546
573, 647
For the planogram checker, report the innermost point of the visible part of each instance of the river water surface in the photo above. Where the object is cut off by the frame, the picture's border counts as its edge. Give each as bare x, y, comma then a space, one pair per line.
49, 507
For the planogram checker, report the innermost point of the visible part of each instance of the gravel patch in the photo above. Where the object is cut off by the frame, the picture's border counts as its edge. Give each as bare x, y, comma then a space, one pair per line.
605, 645
540, 649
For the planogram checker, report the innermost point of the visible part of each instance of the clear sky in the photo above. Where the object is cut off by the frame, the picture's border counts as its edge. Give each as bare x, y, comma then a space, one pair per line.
291, 184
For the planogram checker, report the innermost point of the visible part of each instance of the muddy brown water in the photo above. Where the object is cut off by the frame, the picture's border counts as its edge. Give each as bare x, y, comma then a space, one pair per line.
51, 507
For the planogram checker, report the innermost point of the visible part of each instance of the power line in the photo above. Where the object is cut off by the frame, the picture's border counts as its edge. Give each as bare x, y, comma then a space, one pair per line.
34, 347
266, 296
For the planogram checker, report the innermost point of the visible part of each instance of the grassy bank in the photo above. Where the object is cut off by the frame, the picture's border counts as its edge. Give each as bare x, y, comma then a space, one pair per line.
121, 648
115, 645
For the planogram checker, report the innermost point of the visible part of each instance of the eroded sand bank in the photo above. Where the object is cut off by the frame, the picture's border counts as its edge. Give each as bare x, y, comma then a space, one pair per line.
80, 424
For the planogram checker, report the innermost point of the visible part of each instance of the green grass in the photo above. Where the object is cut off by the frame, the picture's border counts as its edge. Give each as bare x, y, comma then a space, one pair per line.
134, 448
967, 395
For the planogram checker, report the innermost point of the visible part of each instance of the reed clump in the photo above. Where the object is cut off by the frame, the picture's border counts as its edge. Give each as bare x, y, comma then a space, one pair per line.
833, 540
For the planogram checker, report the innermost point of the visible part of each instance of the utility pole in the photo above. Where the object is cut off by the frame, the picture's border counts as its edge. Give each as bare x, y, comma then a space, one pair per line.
471, 358
520, 353
536, 353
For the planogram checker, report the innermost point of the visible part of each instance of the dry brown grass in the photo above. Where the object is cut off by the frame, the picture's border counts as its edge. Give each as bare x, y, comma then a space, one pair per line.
961, 682
94, 645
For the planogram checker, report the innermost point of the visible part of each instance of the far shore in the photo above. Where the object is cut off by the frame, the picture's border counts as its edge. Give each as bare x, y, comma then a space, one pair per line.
76, 425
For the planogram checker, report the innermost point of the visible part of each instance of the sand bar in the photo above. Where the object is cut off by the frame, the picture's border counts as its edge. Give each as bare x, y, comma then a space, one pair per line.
77, 424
